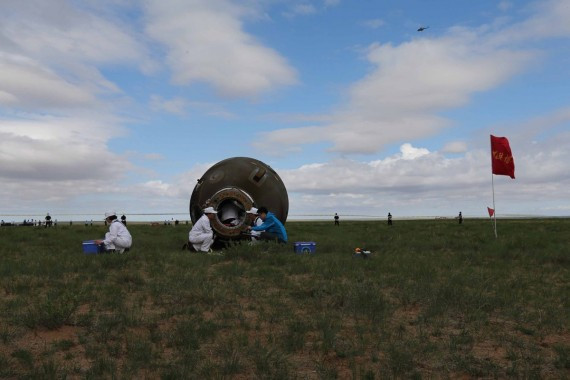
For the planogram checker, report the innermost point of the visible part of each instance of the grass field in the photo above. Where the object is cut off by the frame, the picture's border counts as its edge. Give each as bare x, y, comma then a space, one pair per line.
437, 299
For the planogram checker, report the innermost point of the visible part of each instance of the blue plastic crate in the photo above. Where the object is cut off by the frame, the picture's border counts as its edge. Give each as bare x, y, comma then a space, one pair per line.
90, 248
305, 247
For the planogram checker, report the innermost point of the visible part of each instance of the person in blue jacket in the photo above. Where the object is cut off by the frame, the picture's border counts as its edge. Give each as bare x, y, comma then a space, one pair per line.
272, 229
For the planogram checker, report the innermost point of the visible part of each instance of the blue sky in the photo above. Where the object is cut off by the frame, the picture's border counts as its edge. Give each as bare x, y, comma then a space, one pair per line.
121, 104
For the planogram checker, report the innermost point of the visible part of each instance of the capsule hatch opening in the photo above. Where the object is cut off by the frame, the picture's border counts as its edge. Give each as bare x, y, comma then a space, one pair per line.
231, 213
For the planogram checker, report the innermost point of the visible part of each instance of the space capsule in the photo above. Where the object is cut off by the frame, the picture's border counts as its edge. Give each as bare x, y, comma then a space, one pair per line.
232, 187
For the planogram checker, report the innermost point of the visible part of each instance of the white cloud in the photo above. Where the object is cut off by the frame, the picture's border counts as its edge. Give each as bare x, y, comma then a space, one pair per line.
550, 20
373, 23
418, 182
411, 83
56, 119
413, 168
303, 9
181, 106
52, 57
505, 5
307, 8
175, 105
36, 195
331, 3
283, 117
25, 84
69, 40
157, 188
455, 147
536, 127
55, 161
153, 156
58, 149
205, 42
179, 188
411, 153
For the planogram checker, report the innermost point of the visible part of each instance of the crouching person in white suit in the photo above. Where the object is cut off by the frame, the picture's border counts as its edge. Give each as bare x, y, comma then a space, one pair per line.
118, 239
201, 236
255, 220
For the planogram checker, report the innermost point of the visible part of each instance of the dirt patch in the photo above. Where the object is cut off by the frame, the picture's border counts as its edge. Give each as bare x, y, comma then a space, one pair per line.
562, 339
490, 350
41, 341
63, 333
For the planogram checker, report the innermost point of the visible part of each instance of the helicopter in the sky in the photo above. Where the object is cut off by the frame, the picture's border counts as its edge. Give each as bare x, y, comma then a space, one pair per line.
422, 28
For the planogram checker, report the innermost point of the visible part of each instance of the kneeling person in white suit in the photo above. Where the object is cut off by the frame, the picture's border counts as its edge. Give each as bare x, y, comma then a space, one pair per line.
201, 235
118, 238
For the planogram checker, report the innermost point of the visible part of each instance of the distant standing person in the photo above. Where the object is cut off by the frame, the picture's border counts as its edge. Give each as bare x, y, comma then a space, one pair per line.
124, 219
460, 217
389, 219
272, 228
48, 220
201, 236
118, 239
336, 219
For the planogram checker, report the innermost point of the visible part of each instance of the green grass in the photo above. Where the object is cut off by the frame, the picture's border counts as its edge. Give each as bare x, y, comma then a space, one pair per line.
436, 299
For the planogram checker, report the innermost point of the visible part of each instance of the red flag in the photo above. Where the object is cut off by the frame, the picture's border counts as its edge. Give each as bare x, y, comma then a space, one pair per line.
502, 157
491, 211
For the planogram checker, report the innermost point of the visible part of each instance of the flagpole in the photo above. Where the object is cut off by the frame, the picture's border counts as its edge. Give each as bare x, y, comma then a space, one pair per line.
494, 208
493, 186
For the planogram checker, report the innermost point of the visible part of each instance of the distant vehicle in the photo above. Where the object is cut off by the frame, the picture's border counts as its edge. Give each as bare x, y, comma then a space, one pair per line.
422, 28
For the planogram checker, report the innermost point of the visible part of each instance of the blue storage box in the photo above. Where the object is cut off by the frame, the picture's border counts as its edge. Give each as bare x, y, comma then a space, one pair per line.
90, 248
305, 247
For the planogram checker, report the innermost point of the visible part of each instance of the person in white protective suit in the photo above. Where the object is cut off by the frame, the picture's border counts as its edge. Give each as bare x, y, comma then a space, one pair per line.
201, 236
118, 239
254, 221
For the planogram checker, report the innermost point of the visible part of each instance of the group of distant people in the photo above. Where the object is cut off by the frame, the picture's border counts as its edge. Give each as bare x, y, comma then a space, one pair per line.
32, 222
337, 219
337, 222
49, 222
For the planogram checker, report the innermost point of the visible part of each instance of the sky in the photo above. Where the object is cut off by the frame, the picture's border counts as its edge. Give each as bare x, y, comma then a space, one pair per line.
122, 105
